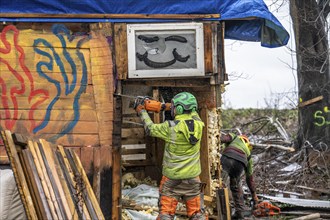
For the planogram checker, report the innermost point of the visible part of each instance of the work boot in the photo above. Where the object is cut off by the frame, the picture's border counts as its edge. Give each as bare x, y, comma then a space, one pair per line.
237, 215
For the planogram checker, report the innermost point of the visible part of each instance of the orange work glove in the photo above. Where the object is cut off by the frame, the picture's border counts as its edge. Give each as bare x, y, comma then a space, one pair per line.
139, 108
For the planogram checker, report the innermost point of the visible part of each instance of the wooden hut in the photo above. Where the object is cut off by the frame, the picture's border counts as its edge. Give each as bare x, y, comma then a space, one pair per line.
70, 78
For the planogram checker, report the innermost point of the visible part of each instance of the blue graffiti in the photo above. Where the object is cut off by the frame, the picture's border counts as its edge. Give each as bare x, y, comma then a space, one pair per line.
81, 90
69, 88
57, 29
57, 84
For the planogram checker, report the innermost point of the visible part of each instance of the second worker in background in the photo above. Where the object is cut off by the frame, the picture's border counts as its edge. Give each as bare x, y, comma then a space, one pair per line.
181, 160
236, 159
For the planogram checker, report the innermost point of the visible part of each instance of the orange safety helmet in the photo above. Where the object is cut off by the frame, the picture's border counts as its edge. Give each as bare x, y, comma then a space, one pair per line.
246, 141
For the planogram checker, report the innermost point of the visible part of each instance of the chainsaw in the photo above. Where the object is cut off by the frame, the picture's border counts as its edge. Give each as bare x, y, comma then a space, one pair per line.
265, 209
149, 103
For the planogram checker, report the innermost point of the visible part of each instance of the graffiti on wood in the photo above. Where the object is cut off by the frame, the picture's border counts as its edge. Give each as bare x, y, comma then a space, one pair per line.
42, 80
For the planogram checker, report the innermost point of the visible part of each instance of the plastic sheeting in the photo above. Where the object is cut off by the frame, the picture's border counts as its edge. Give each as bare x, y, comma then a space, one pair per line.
142, 195
245, 20
11, 206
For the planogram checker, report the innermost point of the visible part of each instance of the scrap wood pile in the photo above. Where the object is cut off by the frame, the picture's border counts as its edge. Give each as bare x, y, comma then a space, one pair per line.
51, 180
302, 175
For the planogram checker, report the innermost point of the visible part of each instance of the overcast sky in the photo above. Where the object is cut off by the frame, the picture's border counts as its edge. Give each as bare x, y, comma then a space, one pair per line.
264, 73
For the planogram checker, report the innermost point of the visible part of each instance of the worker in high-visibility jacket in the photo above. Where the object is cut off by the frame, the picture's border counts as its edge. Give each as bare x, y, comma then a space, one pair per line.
236, 159
181, 161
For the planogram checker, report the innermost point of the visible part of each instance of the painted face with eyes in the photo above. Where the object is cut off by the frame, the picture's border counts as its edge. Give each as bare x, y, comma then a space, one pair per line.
156, 45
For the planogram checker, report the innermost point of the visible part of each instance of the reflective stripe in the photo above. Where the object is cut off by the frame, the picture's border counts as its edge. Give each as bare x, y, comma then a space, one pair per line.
180, 158
172, 123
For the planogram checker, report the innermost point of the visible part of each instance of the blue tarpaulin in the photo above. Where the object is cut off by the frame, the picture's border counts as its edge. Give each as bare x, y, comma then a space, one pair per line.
246, 20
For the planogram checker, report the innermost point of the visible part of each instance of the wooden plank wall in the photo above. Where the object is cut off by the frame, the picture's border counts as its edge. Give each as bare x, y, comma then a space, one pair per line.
57, 84
48, 88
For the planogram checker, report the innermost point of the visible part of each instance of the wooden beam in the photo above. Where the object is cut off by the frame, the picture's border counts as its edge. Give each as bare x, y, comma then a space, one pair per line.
204, 154
43, 179
191, 82
19, 175
49, 178
208, 46
89, 189
75, 186
115, 198
43, 210
111, 16
120, 41
311, 101
47, 153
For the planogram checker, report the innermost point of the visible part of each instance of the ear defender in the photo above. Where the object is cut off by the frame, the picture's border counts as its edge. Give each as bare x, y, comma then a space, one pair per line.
179, 110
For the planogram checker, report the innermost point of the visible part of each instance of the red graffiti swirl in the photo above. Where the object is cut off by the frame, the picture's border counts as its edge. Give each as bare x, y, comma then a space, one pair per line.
19, 89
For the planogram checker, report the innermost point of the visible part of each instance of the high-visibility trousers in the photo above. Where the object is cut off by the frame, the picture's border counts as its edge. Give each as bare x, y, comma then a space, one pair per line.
188, 190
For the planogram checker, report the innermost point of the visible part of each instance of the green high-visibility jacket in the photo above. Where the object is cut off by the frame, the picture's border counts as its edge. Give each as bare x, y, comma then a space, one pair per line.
181, 158
239, 144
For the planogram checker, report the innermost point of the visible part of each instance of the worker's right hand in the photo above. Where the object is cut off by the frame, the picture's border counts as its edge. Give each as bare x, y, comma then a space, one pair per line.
139, 108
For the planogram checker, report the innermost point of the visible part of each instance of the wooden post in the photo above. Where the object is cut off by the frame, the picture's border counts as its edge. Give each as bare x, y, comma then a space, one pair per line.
205, 175
103, 86
116, 168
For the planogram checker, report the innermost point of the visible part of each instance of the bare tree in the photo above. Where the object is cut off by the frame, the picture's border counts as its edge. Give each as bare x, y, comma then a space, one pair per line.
310, 25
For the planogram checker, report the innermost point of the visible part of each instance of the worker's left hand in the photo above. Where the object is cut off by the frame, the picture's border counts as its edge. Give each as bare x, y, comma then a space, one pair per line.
138, 101
139, 108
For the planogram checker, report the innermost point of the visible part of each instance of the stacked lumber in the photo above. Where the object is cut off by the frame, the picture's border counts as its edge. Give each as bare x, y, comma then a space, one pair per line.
51, 180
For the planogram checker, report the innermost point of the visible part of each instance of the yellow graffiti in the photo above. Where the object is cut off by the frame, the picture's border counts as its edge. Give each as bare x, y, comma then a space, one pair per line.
321, 117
